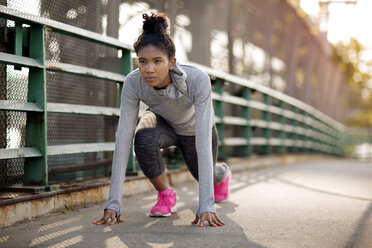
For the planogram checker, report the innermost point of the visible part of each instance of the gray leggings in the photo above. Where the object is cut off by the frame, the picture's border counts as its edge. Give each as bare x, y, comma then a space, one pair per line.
154, 133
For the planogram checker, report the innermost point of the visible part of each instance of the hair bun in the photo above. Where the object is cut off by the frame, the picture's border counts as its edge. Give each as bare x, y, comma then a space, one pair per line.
156, 23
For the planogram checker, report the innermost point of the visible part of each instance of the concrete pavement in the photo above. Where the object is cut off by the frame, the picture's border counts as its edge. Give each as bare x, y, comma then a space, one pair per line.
319, 204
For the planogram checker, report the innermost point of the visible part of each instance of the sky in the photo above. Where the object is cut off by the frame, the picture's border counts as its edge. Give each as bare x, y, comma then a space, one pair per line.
346, 21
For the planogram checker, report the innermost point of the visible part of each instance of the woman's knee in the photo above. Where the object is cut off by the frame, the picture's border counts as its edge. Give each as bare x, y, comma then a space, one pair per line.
147, 152
145, 141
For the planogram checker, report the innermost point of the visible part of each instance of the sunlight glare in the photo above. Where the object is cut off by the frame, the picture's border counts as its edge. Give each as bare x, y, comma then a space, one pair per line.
115, 242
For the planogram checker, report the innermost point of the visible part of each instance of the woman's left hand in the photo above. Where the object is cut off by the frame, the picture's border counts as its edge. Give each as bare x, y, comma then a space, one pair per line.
212, 219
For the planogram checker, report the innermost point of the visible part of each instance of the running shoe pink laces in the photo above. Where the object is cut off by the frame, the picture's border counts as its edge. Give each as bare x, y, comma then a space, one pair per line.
222, 190
166, 204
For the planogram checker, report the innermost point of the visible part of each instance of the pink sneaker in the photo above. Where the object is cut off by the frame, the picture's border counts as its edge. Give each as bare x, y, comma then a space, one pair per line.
221, 190
166, 204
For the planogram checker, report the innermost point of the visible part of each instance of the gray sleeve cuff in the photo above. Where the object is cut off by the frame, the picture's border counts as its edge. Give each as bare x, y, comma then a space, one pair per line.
114, 207
210, 208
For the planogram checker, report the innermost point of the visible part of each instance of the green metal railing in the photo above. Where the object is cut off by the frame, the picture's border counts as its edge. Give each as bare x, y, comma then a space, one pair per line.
36, 150
299, 127
308, 130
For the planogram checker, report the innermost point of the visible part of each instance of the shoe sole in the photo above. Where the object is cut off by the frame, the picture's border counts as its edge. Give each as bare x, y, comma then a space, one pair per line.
158, 214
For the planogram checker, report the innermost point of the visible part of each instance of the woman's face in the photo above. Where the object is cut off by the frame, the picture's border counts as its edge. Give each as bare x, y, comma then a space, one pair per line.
154, 66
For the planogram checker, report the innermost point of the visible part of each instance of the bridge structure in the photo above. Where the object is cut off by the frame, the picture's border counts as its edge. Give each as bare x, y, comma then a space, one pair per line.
40, 153
285, 124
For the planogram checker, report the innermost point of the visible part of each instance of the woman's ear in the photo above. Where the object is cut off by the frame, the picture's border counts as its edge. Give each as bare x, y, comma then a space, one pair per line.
172, 63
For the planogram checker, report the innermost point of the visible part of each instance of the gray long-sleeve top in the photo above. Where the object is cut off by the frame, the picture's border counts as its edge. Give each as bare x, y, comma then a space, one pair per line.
187, 106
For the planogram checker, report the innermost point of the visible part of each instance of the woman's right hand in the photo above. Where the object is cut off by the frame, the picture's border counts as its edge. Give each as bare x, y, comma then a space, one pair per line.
109, 215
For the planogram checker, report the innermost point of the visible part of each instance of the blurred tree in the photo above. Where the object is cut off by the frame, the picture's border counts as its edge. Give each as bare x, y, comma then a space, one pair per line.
348, 56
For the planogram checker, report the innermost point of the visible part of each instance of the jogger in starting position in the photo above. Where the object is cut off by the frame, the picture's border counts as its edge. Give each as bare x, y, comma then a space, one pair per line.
180, 114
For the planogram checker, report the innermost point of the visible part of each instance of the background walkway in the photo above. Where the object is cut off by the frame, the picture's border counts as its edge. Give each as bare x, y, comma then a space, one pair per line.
318, 204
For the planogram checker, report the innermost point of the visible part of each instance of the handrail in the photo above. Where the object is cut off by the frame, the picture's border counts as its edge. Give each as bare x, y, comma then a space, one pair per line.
271, 92
17, 15
81, 70
19, 60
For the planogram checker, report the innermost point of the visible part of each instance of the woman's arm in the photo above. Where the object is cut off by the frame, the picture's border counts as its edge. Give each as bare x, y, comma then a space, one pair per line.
124, 136
204, 118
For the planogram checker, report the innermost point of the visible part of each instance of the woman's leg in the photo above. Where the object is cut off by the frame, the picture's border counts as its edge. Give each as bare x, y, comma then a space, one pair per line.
153, 133
161, 182
188, 149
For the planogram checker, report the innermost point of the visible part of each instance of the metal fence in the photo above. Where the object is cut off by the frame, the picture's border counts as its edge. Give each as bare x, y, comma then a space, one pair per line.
59, 114
269, 42
57, 122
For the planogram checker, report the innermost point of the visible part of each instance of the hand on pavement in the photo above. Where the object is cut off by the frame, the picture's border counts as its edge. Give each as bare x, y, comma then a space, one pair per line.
211, 218
109, 215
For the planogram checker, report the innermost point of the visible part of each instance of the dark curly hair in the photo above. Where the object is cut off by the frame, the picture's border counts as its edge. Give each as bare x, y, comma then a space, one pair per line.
155, 31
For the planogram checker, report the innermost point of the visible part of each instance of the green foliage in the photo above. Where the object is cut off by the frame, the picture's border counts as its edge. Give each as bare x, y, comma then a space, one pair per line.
348, 57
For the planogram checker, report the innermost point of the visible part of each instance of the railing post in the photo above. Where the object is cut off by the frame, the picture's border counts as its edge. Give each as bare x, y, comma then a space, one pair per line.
294, 132
125, 69
326, 134
340, 144
247, 149
313, 138
219, 113
305, 138
266, 130
319, 141
335, 150
18, 39
36, 169
300, 136
282, 149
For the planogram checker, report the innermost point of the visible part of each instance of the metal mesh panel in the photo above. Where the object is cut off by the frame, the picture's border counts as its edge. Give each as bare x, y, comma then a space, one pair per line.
13, 86
76, 129
14, 122
79, 166
11, 171
16, 129
3, 78
274, 117
83, 13
17, 83
13, 125
3, 129
67, 49
74, 89
64, 88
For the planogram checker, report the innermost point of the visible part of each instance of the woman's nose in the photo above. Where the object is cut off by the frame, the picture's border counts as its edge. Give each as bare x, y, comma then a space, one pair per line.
150, 68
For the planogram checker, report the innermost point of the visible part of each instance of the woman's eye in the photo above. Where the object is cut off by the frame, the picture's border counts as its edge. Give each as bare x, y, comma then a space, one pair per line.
157, 61
141, 61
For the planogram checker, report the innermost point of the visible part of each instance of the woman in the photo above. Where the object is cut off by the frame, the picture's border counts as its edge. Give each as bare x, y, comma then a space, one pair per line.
180, 114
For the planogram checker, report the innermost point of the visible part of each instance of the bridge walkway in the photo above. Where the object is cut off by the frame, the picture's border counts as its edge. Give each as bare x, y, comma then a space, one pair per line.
311, 204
